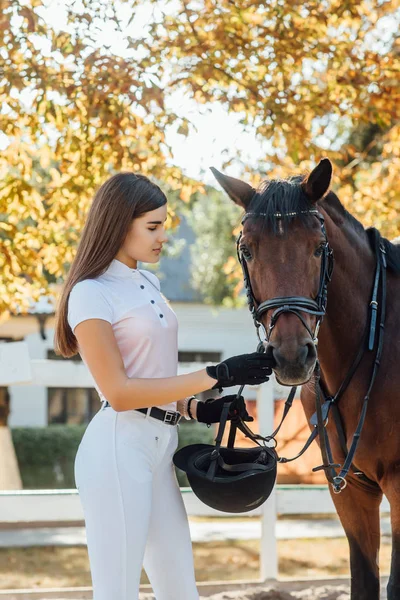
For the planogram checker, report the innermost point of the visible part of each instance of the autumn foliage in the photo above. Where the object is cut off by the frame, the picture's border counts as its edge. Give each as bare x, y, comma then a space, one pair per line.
312, 78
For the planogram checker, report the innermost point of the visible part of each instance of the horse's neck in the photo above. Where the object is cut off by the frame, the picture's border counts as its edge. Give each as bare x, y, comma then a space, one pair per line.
348, 305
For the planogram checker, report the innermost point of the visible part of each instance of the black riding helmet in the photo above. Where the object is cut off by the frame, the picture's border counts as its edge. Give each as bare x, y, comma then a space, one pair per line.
229, 479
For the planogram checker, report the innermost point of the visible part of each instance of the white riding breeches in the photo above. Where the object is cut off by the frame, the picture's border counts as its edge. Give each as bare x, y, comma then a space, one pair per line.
133, 508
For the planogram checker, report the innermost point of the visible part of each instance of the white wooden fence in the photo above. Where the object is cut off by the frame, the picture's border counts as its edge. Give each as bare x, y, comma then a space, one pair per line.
27, 506
50, 507
53, 506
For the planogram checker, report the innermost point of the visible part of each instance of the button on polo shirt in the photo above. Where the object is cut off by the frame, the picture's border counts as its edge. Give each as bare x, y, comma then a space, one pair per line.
143, 322
143, 287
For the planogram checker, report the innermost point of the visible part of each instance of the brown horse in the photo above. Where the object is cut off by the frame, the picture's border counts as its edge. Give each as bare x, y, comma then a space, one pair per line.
286, 230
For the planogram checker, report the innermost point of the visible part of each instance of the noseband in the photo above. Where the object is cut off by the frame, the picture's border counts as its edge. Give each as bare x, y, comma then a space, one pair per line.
290, 304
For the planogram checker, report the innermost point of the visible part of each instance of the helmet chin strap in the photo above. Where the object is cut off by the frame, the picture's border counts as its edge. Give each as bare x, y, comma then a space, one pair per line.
217, 460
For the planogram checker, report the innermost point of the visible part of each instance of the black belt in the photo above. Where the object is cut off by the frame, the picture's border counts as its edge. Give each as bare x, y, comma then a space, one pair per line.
166, 416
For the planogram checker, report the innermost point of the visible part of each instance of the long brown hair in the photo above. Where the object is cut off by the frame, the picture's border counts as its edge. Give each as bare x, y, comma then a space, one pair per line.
120, 199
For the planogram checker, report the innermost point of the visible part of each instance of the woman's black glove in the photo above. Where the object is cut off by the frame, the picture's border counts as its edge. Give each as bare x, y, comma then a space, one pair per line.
210, 411
250, 369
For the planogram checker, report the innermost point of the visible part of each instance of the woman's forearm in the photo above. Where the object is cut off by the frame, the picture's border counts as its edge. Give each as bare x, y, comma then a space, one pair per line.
143, 393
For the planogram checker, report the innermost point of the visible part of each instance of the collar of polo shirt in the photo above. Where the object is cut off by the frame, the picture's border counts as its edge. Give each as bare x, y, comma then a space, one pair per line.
120, 269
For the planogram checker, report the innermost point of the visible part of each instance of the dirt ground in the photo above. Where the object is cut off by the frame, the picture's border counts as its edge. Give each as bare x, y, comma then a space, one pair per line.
60, 566
326, 592
318, 592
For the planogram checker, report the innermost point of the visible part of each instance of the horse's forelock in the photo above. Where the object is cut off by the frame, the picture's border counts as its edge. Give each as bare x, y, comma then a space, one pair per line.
280, 196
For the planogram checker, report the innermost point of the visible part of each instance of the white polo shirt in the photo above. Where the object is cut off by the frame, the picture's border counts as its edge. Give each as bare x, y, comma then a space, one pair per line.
144, 324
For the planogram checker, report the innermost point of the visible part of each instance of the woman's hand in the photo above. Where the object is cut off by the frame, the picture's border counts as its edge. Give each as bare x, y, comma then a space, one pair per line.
251, 369
210, 410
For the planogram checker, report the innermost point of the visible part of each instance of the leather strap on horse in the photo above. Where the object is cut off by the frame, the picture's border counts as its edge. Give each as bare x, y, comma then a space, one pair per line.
338, 481
380, 275
327, 462
238, 423
317, 307
292, 304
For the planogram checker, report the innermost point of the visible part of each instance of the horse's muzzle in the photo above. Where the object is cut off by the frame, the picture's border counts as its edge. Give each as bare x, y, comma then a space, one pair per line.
294, 363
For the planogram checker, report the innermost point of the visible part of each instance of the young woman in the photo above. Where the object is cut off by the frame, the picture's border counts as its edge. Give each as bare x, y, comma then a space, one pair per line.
115, 316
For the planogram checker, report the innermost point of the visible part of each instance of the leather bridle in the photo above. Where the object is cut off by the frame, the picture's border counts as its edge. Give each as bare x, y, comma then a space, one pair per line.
372, 339
290, 304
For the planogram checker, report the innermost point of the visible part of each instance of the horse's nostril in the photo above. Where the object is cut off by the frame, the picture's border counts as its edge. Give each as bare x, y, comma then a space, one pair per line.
276, 355
270, 352
311, 353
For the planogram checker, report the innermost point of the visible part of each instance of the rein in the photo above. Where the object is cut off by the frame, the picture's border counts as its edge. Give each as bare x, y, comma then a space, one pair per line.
317, 307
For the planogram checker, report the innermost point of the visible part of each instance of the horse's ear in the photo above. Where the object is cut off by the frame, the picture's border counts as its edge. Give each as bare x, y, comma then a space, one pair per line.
239, 191
318, 181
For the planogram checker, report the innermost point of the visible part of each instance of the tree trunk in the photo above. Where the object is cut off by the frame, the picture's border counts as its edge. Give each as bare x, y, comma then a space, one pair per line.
14, 368
4, 406
10, 478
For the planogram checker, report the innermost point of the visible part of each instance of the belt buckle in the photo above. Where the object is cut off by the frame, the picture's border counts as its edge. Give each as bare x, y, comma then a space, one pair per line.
170, 417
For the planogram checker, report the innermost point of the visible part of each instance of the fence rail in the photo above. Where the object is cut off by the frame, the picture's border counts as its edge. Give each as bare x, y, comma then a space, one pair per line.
53, 506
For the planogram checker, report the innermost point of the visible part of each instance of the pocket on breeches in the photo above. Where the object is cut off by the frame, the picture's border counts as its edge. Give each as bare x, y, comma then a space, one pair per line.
136, 445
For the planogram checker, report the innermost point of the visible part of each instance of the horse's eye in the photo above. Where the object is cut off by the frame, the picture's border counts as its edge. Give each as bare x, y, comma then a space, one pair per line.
320, 250
245, 252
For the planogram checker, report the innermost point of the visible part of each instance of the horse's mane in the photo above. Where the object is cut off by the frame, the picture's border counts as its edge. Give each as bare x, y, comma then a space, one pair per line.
392, 250
286, 197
